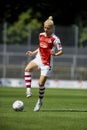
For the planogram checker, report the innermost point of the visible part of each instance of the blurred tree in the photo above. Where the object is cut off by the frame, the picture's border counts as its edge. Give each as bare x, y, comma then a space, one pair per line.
64, 12
20, 29
83, 37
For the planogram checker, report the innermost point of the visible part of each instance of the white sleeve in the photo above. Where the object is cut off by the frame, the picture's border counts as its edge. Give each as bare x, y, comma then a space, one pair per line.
57, 44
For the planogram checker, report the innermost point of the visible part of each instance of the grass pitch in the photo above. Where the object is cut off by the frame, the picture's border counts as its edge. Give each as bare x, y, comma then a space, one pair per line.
62, 109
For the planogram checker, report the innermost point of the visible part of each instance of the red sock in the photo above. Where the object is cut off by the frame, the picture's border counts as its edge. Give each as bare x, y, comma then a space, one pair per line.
28, 81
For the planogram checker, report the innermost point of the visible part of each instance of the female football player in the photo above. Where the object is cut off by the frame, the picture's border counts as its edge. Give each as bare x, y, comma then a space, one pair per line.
48, 41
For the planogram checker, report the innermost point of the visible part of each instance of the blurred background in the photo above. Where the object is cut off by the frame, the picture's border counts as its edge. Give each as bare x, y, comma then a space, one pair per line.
22, 21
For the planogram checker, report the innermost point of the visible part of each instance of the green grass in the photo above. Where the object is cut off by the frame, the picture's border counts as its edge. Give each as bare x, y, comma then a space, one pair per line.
63, 109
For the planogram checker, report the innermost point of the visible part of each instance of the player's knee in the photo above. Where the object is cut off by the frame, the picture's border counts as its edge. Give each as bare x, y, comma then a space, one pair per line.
27, 69
41, 84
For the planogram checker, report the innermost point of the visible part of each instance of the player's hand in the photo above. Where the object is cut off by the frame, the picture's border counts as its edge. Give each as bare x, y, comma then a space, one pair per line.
52, 53
29, 53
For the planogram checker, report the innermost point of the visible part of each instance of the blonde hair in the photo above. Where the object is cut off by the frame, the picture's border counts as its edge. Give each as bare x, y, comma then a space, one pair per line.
49, 21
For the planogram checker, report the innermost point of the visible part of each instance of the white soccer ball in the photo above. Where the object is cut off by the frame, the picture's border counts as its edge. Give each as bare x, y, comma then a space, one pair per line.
18, 105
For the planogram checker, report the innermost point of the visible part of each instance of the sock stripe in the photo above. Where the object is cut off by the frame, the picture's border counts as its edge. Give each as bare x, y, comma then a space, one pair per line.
41, 92
42, 87
27, 73
27, 77
41, 95
28, 80
28, 83
28, 86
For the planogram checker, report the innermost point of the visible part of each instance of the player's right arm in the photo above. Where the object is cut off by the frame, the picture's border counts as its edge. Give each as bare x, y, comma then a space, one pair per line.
31, 53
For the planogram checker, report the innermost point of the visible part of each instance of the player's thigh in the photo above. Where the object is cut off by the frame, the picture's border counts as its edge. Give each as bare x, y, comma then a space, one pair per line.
31, 66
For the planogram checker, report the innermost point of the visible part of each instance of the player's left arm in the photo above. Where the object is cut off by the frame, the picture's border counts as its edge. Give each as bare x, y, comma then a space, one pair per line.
58, 45
58, 53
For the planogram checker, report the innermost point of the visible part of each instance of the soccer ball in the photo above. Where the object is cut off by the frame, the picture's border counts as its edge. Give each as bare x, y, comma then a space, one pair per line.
18, 105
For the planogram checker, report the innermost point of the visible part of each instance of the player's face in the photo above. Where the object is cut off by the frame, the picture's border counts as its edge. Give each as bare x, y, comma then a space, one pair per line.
48, 29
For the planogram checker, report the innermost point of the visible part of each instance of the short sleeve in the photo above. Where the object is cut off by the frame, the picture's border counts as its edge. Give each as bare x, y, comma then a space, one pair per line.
58, 44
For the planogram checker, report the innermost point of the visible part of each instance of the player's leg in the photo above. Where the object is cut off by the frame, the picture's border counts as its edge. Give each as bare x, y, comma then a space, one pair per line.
41, 92
28, 70
45, 72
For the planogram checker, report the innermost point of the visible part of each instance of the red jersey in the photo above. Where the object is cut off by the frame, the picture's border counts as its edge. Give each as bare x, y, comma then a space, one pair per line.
46, 44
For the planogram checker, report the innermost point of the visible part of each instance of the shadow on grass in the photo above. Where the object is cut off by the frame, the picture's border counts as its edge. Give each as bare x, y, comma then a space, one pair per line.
68, 110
